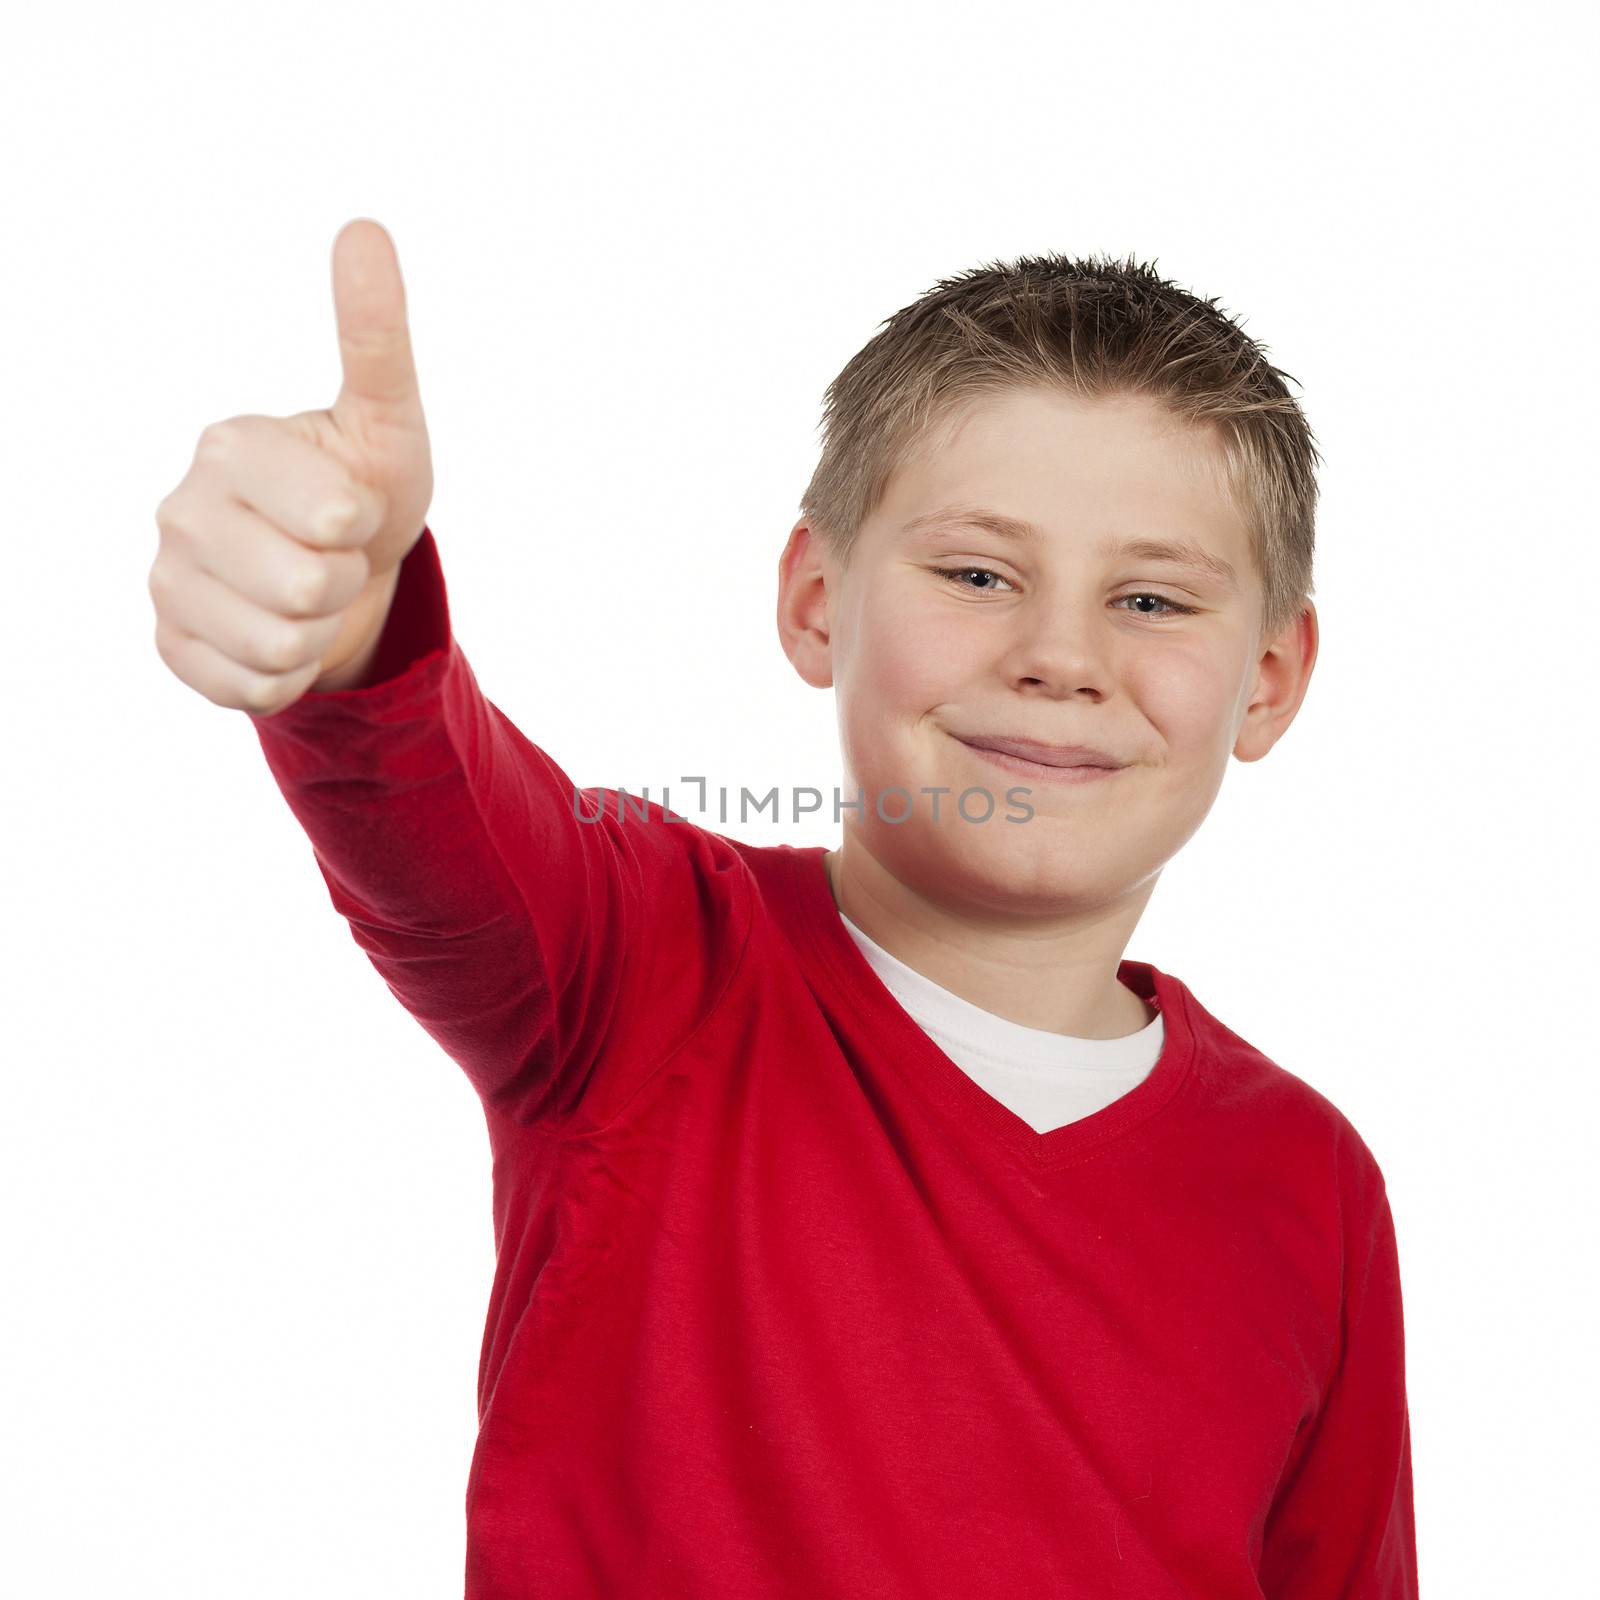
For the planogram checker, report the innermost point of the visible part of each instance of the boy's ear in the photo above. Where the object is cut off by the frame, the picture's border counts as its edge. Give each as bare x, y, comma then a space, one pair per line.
805, 571
1282, 676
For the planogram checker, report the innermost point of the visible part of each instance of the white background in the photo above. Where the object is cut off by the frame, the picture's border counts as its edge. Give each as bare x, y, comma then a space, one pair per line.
247, 1242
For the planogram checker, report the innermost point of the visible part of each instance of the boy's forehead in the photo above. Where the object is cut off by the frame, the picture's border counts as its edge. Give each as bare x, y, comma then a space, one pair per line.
1025, 467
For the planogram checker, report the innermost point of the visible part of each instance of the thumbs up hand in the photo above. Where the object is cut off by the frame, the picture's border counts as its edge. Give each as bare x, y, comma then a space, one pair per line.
280, 547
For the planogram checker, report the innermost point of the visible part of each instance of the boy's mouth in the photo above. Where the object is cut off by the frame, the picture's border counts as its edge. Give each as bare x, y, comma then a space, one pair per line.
1033, 753
1040, 772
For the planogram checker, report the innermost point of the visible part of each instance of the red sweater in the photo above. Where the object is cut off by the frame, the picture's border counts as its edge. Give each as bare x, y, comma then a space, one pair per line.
785, 1305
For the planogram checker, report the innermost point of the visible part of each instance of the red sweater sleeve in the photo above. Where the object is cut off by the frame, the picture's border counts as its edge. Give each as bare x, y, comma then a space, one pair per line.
557, 960
1341, 1526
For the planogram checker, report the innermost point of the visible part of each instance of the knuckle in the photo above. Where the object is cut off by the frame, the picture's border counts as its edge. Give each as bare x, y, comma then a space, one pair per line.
217, 441
284, 650
170, 514
259, 693
306, 592
367, 342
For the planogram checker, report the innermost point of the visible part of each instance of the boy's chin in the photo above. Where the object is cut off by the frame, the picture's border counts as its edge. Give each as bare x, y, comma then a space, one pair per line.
1003, 865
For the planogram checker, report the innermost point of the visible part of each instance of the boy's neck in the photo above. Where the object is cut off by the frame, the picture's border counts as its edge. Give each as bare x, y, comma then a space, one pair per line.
1061, 979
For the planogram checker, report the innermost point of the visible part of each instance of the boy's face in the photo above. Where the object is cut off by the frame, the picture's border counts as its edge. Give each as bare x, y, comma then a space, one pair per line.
1052, 647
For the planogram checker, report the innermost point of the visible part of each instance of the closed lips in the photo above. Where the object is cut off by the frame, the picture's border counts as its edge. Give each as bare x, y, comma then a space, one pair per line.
1048, 755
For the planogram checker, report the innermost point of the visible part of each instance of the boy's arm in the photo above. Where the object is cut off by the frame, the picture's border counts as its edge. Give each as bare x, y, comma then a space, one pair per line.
1341, 1526
533, 946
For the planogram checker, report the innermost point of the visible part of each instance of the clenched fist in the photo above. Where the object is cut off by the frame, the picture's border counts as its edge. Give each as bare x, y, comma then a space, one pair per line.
281, 546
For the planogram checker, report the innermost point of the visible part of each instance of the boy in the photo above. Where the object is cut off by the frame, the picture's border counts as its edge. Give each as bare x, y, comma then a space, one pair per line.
866, 1223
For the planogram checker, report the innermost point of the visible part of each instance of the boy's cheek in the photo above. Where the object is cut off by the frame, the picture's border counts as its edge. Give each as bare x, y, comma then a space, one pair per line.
924, 668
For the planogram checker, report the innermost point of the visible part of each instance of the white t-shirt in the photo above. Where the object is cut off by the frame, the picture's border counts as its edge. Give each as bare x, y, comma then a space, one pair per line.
1047, 1079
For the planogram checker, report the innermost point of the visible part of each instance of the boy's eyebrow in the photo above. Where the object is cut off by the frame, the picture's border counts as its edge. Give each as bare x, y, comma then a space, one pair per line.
1180, 551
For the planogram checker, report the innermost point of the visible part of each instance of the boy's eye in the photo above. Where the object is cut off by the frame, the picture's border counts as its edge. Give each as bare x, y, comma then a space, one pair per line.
1173, 608
955, 574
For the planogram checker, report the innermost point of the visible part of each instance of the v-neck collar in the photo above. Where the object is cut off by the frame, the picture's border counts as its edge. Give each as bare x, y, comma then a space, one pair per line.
913, 1053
